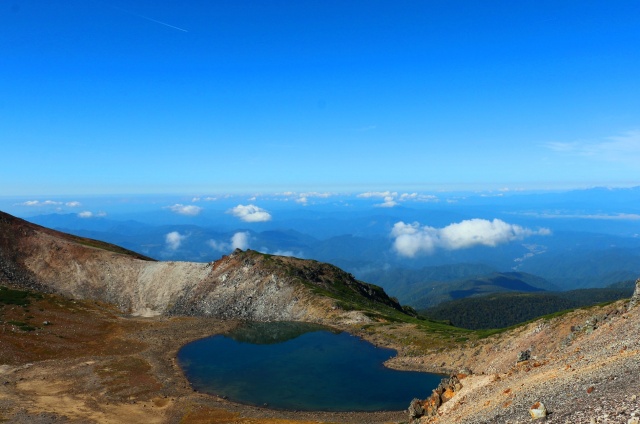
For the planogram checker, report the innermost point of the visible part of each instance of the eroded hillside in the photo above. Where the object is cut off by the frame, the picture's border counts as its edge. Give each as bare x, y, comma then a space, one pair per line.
243, 285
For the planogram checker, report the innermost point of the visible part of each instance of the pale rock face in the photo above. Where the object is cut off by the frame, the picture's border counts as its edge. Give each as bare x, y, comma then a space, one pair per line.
635, 299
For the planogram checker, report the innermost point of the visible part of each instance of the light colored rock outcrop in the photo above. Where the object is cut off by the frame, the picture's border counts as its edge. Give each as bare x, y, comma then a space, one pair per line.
635, 299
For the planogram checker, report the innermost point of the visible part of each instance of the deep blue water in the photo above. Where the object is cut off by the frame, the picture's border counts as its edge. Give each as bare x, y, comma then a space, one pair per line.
301, 367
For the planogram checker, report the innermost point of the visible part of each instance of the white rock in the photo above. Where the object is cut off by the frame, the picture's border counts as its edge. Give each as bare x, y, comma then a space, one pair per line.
538, 410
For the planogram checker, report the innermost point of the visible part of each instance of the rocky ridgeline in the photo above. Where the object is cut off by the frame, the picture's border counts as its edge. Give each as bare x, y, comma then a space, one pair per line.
244, 285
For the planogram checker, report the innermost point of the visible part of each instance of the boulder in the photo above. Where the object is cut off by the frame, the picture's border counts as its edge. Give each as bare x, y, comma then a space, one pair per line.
416, 410
524, 355
538, 410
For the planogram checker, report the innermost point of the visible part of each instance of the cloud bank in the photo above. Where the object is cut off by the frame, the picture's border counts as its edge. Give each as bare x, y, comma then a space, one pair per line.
38, 203
393, 198
189, 210
89, 214
250, 213
413, 239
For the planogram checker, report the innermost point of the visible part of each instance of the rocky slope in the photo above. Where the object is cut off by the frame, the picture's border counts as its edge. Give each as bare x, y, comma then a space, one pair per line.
244, 285
584, 367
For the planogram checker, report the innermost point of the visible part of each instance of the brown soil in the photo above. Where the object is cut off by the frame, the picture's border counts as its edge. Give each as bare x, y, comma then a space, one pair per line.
90, 364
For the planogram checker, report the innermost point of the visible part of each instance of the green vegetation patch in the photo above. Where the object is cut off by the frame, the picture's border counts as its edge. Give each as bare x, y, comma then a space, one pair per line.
22, 325
16, 297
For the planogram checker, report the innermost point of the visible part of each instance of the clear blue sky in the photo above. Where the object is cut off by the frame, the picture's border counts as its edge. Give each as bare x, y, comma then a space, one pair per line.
148, 96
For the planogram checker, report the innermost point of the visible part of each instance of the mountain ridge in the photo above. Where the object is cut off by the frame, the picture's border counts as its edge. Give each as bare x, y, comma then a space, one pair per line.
243, 285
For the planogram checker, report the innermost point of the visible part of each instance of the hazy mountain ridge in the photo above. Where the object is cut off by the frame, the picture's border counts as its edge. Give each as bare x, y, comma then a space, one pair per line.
430, 286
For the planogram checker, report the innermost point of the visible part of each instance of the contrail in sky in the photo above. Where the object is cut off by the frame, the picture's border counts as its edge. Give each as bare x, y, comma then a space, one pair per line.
143, 17
156, 21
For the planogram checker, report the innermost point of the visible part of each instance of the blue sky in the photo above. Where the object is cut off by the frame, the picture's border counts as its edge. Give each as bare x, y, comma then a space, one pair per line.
113, 96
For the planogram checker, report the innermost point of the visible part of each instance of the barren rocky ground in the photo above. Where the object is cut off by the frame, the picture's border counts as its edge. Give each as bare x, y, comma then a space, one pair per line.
584, 367
91, 364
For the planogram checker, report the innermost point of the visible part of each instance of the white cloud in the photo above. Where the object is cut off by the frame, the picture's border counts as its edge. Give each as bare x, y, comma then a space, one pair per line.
250, 213
412, 239
409, 196
34, 203
189, 210
240, 240
324, 195
174, 240
303, 198
621, 148
89, 214
392, 199
73, 204
376, 194
388, 203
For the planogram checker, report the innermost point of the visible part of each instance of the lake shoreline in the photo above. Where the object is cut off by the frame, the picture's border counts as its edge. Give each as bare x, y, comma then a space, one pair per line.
124, 369
200, 328
300, 367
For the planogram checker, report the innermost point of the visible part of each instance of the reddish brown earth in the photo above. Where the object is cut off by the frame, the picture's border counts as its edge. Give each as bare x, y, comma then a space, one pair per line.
91, 364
